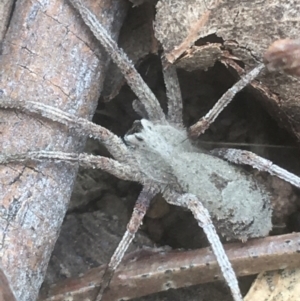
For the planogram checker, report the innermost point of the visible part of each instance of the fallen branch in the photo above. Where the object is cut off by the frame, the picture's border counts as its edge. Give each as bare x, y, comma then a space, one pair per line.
153, 272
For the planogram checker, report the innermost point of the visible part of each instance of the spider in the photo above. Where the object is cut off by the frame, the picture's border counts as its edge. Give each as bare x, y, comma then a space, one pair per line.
158, 153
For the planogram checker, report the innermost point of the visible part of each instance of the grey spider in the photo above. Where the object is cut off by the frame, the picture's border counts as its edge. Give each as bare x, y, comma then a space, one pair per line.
162, 158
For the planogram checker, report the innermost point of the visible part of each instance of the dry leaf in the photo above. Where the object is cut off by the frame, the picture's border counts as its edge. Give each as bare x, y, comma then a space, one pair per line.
249, 26
281, 285
244, 30
205, 56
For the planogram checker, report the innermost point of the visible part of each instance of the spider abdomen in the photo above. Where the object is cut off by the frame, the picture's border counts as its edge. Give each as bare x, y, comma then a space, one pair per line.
239, 205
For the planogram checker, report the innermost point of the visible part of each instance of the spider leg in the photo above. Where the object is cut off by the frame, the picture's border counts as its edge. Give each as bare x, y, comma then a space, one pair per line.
245, 157
202, 216
140, 208
112, 142
203, 124
120, 170
173, 94
133, 78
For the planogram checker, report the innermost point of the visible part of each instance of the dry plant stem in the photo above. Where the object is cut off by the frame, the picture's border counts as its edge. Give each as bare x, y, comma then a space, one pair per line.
42, 52
140, 208
203, 218
134, 80
248, 158
173, 94
87, 161
203, 124
81, 125
5, 11
150, 274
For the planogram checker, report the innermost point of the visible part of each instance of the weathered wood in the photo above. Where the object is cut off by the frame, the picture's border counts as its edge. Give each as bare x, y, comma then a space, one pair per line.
158, 271
234, 31
5, 11
48, 56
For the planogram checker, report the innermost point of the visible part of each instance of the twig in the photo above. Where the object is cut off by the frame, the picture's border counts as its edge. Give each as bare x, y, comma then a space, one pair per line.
154, 272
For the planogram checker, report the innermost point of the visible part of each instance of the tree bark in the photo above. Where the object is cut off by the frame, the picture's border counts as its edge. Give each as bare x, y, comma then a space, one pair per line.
5, 11
48, 56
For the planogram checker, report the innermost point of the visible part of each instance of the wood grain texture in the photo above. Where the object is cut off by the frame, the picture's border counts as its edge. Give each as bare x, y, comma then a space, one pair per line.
149, 271
51, 57
5, 11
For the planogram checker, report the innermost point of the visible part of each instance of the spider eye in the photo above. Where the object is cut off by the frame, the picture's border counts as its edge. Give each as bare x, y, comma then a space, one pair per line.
134, 140
139, 138
146, 124
136, 128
